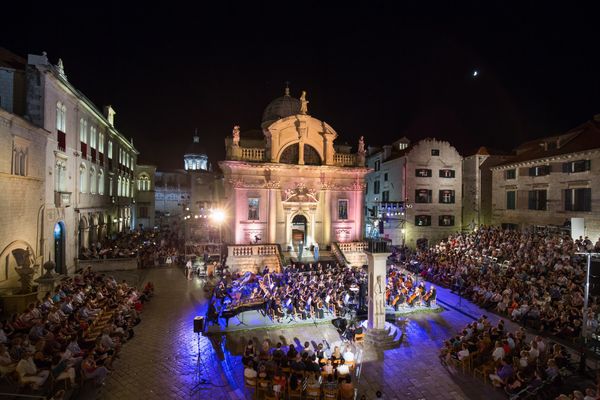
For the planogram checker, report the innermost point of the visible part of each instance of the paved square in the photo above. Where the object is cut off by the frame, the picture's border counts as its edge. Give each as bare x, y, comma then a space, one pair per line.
161, 362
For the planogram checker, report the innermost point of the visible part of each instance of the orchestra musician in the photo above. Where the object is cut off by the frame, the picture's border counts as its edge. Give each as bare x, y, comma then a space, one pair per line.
430, 296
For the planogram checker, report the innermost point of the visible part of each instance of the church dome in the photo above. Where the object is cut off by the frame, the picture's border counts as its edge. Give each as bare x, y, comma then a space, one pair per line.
195, 157
281, 107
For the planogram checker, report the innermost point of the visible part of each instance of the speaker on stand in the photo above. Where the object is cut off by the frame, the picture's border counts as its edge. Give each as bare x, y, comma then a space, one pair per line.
198, 329
199, 324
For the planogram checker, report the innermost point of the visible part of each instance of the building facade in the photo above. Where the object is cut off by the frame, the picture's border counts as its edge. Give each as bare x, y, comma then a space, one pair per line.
288, 185
414, 192
22, 193
551, 180
145, 197
87, 172
477, 187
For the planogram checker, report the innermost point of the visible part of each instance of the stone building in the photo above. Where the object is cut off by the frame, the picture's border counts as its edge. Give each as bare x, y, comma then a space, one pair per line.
551, 180
145, 199
88, 165
414, 191
173, 196
286, 184
188, 195
22, 192
477, 187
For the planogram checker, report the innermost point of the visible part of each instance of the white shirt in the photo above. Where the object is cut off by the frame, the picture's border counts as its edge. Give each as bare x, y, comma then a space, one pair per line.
463, 354
348, 356
498, 354
343, 369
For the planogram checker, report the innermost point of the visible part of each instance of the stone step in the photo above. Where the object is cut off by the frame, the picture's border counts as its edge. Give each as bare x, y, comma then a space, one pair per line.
388, 338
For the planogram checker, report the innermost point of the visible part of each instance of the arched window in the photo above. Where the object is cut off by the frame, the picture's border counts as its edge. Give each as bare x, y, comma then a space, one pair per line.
119, 186
92, 181
83, 130
290, 155
143, 182
60, 170
61, 117
82, 178
100, 181
93, 137
311, 156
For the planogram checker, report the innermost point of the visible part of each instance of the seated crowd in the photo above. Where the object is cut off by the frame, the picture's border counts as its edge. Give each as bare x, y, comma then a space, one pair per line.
150, 247
529, 276
508, 359
77, 330
307, 370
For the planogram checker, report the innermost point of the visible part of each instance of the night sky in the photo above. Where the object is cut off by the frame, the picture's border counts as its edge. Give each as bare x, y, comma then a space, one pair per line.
380, 69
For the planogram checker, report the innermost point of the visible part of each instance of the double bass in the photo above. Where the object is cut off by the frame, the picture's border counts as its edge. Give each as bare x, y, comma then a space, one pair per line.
418, 292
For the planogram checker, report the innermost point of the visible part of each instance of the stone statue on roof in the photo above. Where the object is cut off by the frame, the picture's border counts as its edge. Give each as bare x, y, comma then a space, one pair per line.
236, 135
303, 103
361, 145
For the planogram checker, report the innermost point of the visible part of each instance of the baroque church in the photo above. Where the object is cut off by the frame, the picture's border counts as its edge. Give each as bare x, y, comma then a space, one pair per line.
290, 184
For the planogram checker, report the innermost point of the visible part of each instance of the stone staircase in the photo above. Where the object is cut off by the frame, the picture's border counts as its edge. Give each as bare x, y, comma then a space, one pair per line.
352, 253
388, 338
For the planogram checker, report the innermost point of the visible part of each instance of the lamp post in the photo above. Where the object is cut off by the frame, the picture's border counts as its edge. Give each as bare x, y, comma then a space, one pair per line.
218, 217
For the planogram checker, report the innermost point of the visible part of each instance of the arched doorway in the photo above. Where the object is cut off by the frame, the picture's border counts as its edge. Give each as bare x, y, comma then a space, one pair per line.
59, 247
299, 224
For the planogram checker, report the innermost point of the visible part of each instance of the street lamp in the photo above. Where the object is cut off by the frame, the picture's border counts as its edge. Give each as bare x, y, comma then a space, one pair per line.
218, 217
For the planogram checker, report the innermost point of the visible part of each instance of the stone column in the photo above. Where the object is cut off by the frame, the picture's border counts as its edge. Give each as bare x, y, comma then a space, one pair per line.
376, 294
301, 152
313, 234
327, 217
288, 230
272, 214
360, 215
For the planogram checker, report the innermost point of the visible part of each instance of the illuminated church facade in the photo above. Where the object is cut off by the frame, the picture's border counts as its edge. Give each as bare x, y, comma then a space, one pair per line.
289, 183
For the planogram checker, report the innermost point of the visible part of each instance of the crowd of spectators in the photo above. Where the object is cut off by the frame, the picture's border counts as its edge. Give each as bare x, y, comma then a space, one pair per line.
76, 330
508, 359
307, 370
150, 247
530, 276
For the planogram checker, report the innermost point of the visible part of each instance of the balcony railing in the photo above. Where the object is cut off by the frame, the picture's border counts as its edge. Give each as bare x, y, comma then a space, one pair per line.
62, 140
253, 154
93, 154
344, 160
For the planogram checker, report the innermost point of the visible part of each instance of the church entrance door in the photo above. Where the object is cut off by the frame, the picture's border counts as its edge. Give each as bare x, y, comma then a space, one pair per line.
299, 224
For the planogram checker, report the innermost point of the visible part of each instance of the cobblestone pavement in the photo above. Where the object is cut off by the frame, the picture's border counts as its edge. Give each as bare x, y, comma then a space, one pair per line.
161, 362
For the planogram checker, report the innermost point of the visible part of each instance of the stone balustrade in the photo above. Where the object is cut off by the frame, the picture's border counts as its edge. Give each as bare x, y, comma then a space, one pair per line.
352, 247
344, 160
253, 257
252, 154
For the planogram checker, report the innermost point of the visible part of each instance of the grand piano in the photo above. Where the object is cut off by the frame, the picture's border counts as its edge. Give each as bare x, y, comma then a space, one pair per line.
232, 310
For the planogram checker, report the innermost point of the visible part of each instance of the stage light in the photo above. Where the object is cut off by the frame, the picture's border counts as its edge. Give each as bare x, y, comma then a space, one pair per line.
218, 216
